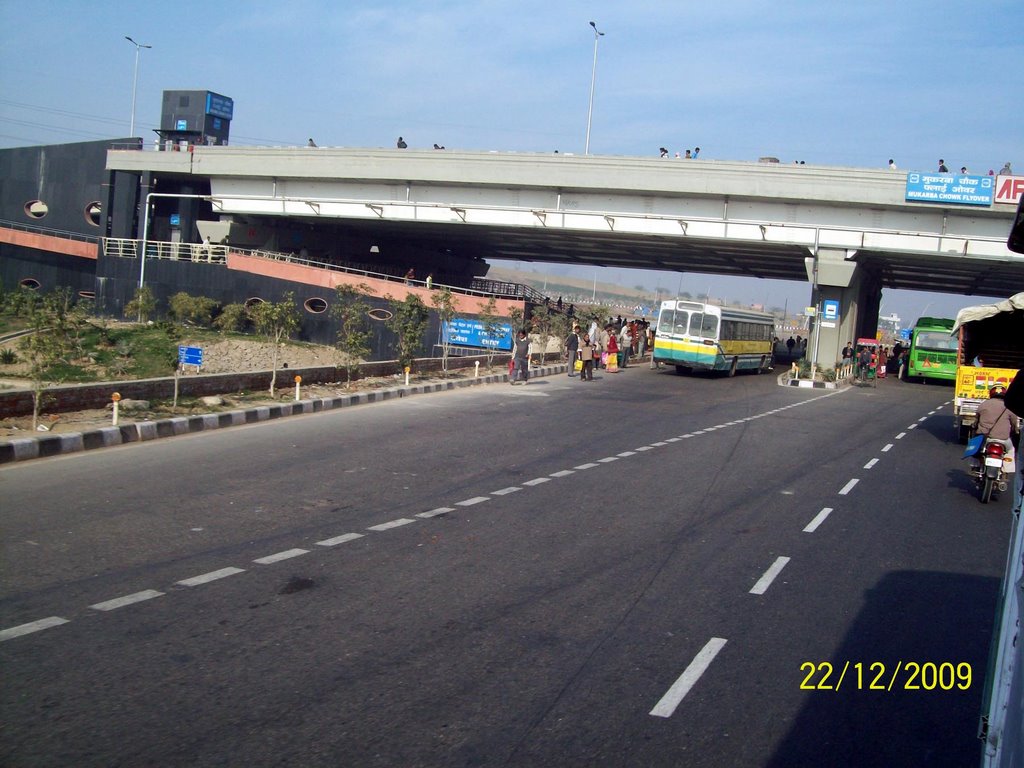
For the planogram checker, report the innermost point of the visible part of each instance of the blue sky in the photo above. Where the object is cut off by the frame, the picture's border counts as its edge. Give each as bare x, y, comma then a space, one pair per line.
849, 84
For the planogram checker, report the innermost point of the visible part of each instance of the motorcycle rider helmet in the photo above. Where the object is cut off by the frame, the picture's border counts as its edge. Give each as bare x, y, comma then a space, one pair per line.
997, 390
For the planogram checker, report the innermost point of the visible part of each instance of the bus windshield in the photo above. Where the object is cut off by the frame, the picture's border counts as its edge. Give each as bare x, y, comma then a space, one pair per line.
936, 340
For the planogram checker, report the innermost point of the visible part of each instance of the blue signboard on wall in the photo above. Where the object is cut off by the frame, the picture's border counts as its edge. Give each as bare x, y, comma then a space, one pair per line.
830, 309
950, 188
219, 106
471, 333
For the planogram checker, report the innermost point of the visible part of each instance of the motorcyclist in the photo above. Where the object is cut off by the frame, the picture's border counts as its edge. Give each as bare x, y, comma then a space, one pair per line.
995, 420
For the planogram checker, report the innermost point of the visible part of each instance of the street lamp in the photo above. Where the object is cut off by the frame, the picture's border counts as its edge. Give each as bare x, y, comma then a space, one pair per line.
593, 78
135, 80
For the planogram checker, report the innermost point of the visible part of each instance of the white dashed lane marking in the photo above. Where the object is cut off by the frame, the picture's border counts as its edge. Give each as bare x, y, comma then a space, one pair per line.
870, 464
288, 554
769, 576
473, 501
391, 524
335, 541
121, 602
818, 520
848, 487
32, 626
672, 698
206, 578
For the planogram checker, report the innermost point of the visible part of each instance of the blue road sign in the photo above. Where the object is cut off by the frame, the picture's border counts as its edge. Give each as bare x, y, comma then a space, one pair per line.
830, 309
190, 355
949, 188
470, 332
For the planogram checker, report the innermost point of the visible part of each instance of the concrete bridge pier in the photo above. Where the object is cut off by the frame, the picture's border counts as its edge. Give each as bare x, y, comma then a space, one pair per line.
834, 275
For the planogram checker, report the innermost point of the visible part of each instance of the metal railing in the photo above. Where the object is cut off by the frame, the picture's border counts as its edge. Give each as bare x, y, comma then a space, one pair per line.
34, 229
156, 249
217, 254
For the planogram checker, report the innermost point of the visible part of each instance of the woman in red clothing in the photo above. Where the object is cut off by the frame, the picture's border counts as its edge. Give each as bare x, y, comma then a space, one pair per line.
612, 365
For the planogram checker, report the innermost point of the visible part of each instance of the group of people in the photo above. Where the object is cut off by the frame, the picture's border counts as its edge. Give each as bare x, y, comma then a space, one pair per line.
690, 155
875, 360
610, 346
1006, 170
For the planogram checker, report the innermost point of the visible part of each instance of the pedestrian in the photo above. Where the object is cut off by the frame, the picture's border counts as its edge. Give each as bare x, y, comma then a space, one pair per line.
558, 304
883, 358
696, 151
310, 143
963, 169
942, 166
410, 276
612, 362
401, 143
1006, 170
864, 359
586, 354
571, 345
625, 345
430, 281
663, 152
521, 358
892, 164
688, 156
847, 355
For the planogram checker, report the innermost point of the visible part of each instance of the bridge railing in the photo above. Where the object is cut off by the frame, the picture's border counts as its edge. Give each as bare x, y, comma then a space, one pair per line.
62, 233
214, 253
156, 249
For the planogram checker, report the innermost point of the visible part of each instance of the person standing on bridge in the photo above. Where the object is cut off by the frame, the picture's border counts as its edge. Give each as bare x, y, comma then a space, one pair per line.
942, 166
401, 143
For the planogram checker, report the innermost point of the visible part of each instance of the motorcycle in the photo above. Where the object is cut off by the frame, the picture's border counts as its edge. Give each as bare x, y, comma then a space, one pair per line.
988, 468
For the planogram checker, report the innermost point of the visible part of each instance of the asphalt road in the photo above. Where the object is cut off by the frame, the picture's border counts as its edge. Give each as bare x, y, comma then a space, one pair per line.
645, 570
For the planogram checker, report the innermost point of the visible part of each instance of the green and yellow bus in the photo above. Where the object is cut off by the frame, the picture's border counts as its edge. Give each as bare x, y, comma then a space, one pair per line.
933, 352
696, 336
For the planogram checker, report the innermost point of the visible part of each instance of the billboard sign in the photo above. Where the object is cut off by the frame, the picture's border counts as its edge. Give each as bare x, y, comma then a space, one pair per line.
1009, 189
470, 332
949, 188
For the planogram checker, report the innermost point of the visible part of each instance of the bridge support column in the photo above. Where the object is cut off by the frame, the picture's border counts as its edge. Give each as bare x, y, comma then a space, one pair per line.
859, 295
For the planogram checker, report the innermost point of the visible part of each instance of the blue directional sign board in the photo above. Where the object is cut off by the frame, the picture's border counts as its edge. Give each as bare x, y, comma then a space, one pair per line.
950, 188
190, 355
471, 333
830, 309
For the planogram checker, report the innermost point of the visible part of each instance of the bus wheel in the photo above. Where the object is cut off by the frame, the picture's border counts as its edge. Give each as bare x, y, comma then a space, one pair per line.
762, 367
732, 368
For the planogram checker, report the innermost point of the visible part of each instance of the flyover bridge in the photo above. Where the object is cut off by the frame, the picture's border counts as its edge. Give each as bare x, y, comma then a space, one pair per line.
848, 231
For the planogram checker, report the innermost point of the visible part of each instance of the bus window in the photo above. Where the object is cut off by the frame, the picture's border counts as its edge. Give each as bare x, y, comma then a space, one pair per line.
679, 320
704, 325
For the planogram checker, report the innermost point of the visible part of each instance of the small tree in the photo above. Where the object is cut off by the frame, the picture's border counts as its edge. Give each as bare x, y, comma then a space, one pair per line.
351, 310
142, 305
191, 309
232, 317
547, 325
44, 347
444, 303
408, 322
276, 321
493, 327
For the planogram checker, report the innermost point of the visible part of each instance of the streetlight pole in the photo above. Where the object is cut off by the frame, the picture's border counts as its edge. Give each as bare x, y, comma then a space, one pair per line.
593, 79
135, 79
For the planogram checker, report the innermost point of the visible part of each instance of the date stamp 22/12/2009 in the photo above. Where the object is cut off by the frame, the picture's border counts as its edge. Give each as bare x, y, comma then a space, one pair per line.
882, 676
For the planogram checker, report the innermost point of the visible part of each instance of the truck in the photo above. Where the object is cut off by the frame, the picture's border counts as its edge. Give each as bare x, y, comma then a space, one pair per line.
990, 349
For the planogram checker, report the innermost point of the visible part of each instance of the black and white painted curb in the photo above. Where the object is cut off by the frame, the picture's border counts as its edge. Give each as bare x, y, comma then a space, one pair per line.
38, 447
